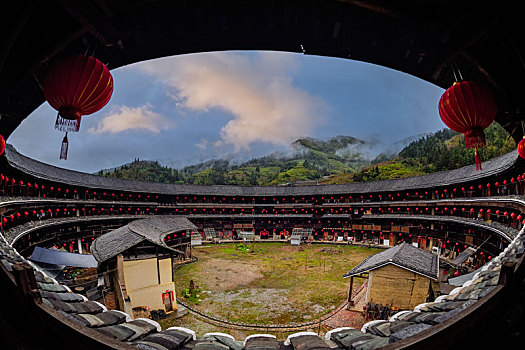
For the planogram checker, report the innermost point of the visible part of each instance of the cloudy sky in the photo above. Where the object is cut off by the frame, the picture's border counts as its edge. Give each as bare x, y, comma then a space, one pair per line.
185, 109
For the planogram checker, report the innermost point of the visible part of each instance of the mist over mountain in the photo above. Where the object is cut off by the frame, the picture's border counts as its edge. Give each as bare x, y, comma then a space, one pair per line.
340, 159
309, 159
440, 151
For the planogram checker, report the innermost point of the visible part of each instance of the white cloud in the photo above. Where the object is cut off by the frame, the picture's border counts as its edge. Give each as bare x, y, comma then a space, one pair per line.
124, 118
258, 92
202, 144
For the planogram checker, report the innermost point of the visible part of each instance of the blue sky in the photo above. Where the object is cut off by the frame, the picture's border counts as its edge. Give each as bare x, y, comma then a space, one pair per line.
185, 109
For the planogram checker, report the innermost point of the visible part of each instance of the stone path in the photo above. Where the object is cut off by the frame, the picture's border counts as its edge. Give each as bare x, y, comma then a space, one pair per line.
352, 317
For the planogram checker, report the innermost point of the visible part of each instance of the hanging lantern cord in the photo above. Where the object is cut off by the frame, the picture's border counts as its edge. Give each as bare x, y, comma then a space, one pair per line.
456, 72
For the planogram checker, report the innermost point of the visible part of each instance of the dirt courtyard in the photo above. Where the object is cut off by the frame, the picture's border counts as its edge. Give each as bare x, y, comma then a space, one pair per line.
222, 275
270, 283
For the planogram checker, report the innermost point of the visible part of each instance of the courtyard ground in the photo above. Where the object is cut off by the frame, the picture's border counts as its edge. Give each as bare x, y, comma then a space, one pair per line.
269, 283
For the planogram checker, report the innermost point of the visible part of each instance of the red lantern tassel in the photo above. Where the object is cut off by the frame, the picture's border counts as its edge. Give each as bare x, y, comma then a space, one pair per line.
477, 159
69, 124
475, 137
65, 146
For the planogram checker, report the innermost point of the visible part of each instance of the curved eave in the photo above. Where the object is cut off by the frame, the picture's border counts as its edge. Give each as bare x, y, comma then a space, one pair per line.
466, 174
12, 239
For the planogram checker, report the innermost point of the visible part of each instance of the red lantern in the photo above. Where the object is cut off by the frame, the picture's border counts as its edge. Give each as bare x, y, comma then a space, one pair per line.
2, 145
521, 147
76, 86
468, 108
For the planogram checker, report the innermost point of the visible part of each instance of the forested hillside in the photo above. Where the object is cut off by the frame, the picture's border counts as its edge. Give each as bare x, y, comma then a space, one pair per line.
444, 150
310, 160
338, 160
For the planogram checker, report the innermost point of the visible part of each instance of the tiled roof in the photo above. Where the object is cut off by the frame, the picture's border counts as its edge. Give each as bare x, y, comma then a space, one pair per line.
403, 255
458, 176
15, 233
152, 229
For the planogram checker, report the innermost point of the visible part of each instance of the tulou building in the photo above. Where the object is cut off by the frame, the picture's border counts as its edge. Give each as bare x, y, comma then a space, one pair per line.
470, 217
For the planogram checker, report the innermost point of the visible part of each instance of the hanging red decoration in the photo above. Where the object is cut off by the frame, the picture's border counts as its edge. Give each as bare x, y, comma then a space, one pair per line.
521, 147
468, 108
76, 86
64, 147
2, 145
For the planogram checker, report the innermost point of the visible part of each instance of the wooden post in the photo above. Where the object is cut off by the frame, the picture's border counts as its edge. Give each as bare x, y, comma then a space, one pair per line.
506, 273
157, 259
25, 280
350, 291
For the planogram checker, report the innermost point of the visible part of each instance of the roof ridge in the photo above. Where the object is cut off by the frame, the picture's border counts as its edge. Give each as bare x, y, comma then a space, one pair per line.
398, 249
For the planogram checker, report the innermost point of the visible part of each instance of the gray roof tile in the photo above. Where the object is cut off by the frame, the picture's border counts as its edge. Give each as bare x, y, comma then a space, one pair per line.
152, 229
457, 176
408, 332
403, 255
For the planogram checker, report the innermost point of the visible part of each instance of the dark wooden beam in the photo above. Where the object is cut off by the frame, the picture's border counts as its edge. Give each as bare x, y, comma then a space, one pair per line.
460, 46
14, 26
378, 7
102, 30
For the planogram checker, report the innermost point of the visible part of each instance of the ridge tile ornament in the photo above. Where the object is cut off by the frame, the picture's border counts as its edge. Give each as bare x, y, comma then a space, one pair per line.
76, 86
468, 108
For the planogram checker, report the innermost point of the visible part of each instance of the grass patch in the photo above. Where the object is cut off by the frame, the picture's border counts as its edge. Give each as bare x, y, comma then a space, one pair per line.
270, 282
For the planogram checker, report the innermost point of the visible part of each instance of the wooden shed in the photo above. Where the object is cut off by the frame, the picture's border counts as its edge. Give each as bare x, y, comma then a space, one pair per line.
401, 277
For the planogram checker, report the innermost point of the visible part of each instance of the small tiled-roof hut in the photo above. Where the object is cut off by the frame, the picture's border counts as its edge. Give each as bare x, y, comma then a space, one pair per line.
400, 277
138, 260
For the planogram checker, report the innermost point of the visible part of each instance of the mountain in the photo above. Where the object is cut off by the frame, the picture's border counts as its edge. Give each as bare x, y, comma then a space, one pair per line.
143, 170
340, 159
310, 160
443, 150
